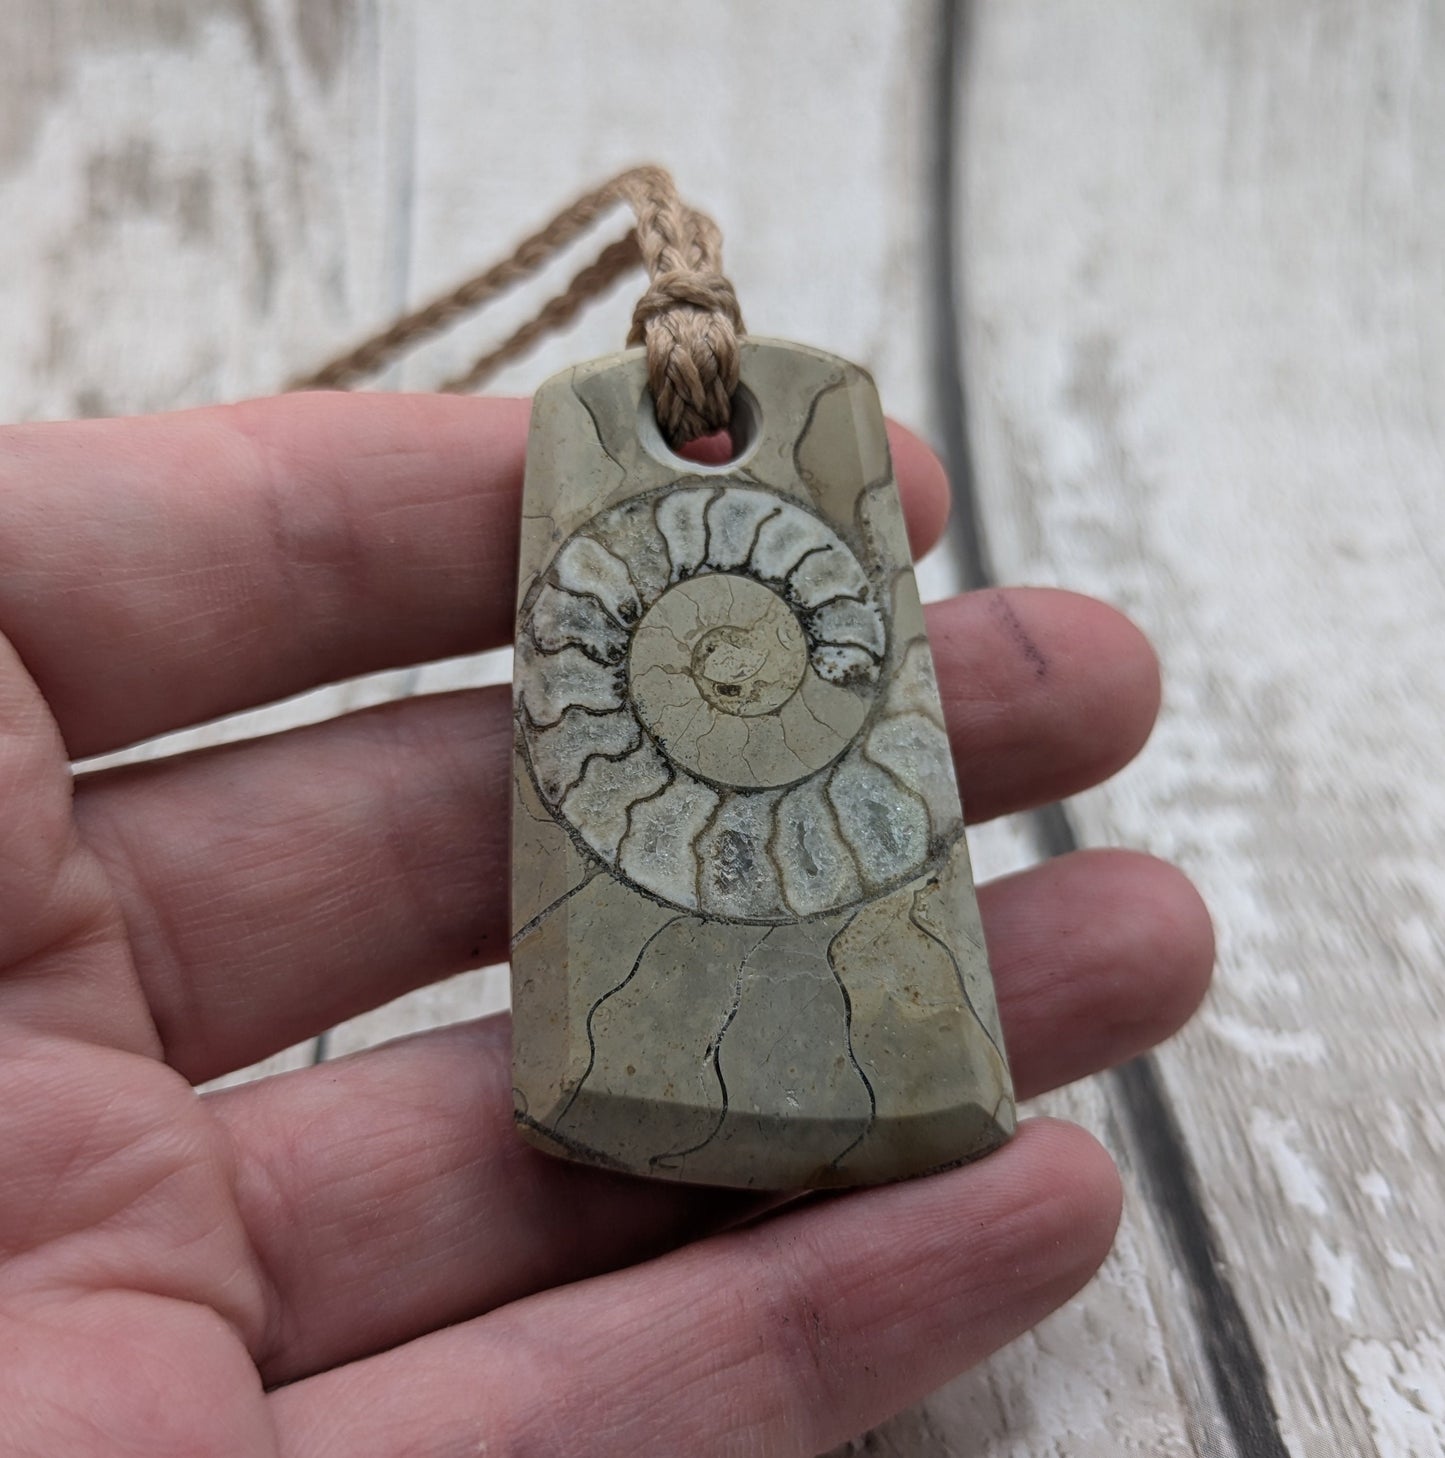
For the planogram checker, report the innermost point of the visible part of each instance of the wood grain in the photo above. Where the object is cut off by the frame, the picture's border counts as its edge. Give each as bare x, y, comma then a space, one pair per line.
1203, 256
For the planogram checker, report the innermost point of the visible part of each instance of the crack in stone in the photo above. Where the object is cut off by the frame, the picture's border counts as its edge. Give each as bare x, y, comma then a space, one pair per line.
809, 420
787, 578
873, 653
578, 592
899, 574
627, 568
864, 879
702, 706
707, 527
575, 1147
812, 714
524, 711
520, 799
612, 756
788, 744
694, 845
697, 743
862, 502
753, 769
592, 1013
848, 1043
957, 972
714, 1052
621, 561
579, 645
529, 927
747, 561
787, 1028
771, 849
642, 800
904, 788
862, 597
596, 427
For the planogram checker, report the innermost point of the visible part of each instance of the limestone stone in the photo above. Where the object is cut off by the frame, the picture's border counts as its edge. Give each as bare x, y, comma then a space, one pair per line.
746, 944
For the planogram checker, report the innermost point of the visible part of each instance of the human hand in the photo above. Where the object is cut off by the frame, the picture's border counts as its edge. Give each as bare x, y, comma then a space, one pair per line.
370, 1233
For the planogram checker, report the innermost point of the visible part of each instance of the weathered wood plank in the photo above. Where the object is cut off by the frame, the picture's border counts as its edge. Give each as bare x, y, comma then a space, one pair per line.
1204, 263
195, 192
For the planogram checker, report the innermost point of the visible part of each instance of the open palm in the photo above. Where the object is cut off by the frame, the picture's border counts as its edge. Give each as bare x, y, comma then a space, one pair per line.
361, 1259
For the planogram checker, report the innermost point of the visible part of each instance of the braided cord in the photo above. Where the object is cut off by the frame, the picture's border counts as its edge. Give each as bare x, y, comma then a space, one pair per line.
688, 318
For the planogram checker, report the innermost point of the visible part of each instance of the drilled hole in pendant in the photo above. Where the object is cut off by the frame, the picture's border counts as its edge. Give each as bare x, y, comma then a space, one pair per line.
720, 452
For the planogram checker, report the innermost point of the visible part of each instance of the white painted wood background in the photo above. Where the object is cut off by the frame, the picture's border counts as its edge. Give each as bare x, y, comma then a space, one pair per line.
1201, 254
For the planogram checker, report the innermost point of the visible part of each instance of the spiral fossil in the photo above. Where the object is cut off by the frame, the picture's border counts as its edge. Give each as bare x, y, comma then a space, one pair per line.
698, 684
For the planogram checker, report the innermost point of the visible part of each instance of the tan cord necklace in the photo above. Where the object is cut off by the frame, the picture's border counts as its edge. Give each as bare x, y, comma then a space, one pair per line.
688, 318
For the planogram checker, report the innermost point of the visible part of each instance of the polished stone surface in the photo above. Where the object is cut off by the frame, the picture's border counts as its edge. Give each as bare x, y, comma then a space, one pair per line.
746, 945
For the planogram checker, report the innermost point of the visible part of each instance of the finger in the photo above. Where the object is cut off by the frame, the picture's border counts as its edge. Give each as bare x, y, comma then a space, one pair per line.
926, 496
275, 888
36, 844
160, 571
409, 1202
63, 963
1045, 693
785, 1338
1100, 955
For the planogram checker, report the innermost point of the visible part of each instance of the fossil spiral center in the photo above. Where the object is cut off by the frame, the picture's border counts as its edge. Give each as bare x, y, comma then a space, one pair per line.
718, 673
751, 665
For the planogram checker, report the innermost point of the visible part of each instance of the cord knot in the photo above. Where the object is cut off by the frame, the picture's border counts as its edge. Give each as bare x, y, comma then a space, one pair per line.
690, 322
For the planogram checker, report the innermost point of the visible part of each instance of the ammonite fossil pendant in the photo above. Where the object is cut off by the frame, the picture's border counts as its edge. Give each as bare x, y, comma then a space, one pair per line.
746, 945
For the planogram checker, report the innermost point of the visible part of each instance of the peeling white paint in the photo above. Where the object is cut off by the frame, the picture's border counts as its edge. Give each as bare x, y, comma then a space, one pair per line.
1396, 1126
1376, 1188
1335, 1271
1402, 1388
1302, 1184
1267, 1045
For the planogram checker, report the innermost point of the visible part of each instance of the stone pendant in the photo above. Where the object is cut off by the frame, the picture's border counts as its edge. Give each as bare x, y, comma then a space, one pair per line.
746, 946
